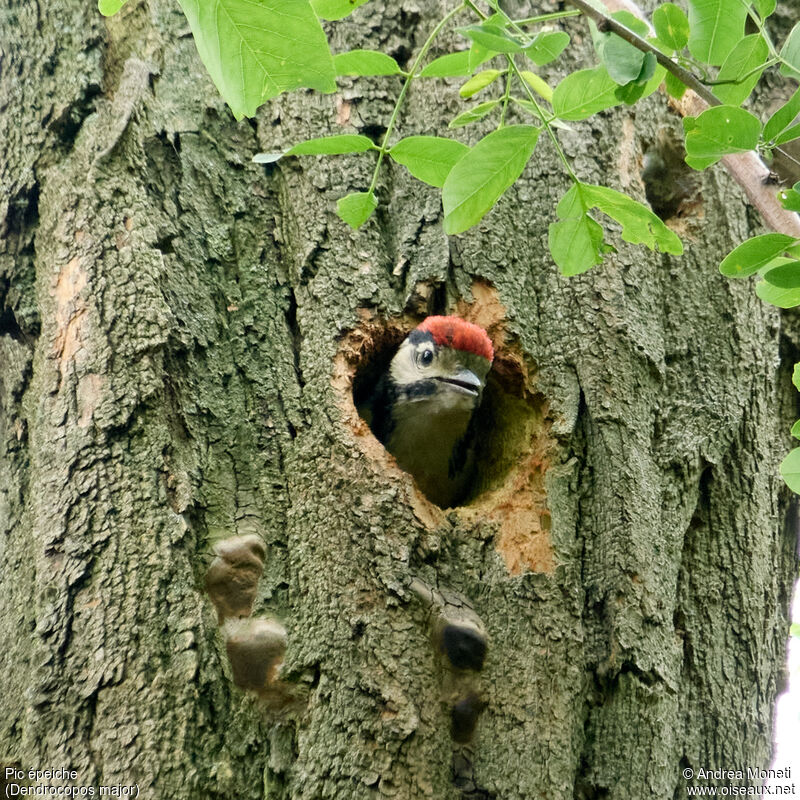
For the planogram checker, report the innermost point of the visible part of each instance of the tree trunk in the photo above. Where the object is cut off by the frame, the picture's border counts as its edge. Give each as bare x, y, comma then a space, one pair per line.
181, 332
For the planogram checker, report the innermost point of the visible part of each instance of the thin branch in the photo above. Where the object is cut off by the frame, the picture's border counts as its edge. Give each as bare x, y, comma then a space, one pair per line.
608, 24
747, 169
412, 73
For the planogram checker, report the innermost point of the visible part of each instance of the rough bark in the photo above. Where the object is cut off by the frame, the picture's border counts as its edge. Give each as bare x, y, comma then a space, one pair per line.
179, 336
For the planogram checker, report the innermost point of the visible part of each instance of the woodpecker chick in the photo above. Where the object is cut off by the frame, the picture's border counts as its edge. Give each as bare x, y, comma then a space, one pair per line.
424, 404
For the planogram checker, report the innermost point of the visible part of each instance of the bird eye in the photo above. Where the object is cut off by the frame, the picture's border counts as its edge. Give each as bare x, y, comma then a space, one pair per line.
426, 357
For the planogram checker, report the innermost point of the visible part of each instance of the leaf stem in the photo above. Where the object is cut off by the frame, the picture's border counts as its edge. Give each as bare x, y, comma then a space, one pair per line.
506, 96
759, 23
760, 68
546, 17
543, 117
404, 91
469, 4
540, 113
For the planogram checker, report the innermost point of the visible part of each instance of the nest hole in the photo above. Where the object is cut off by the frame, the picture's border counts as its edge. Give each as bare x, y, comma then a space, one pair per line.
672, 187
512, 428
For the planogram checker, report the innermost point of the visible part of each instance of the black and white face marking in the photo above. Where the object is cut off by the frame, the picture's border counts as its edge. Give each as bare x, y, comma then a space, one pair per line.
421, 370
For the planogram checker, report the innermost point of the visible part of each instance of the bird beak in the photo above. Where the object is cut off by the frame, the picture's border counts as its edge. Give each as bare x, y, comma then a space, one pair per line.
464, 381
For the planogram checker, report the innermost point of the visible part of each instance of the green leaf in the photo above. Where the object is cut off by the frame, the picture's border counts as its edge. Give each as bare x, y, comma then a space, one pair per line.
639, 224
335, 9
675, 87
492, 37
782, 298
632, 22
715, 28
749, 53
671, 26
256, 50
755, 253
765, 7
479, 82
782, 118
584, 93
785, 275
449, 66
326, 145
794, 629
356, 208
473, 114
365, 62
795, 431
630, 93
717, 132
531, 109
538, 85
658, 76
788, 135
790, 198
429, 158
790, 470
110, 7
623, 61
649, 68
478, 54
332, 145
479, 179
576, 244
267, 158
790, 53
547, 47
455, 65
796, 376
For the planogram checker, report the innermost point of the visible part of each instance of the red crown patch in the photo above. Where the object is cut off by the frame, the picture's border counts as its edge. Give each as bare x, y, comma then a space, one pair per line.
460, 334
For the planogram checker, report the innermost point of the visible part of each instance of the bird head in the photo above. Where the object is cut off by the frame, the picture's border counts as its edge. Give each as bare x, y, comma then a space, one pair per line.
442, 364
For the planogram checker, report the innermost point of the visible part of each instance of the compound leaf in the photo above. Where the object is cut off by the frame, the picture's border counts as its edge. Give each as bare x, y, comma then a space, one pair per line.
109, 7
492, 37
790, 53
576, 244
639, 224
332, 145
479, 82
547, 47
785, 275
790, 198
473, 114
782, 118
